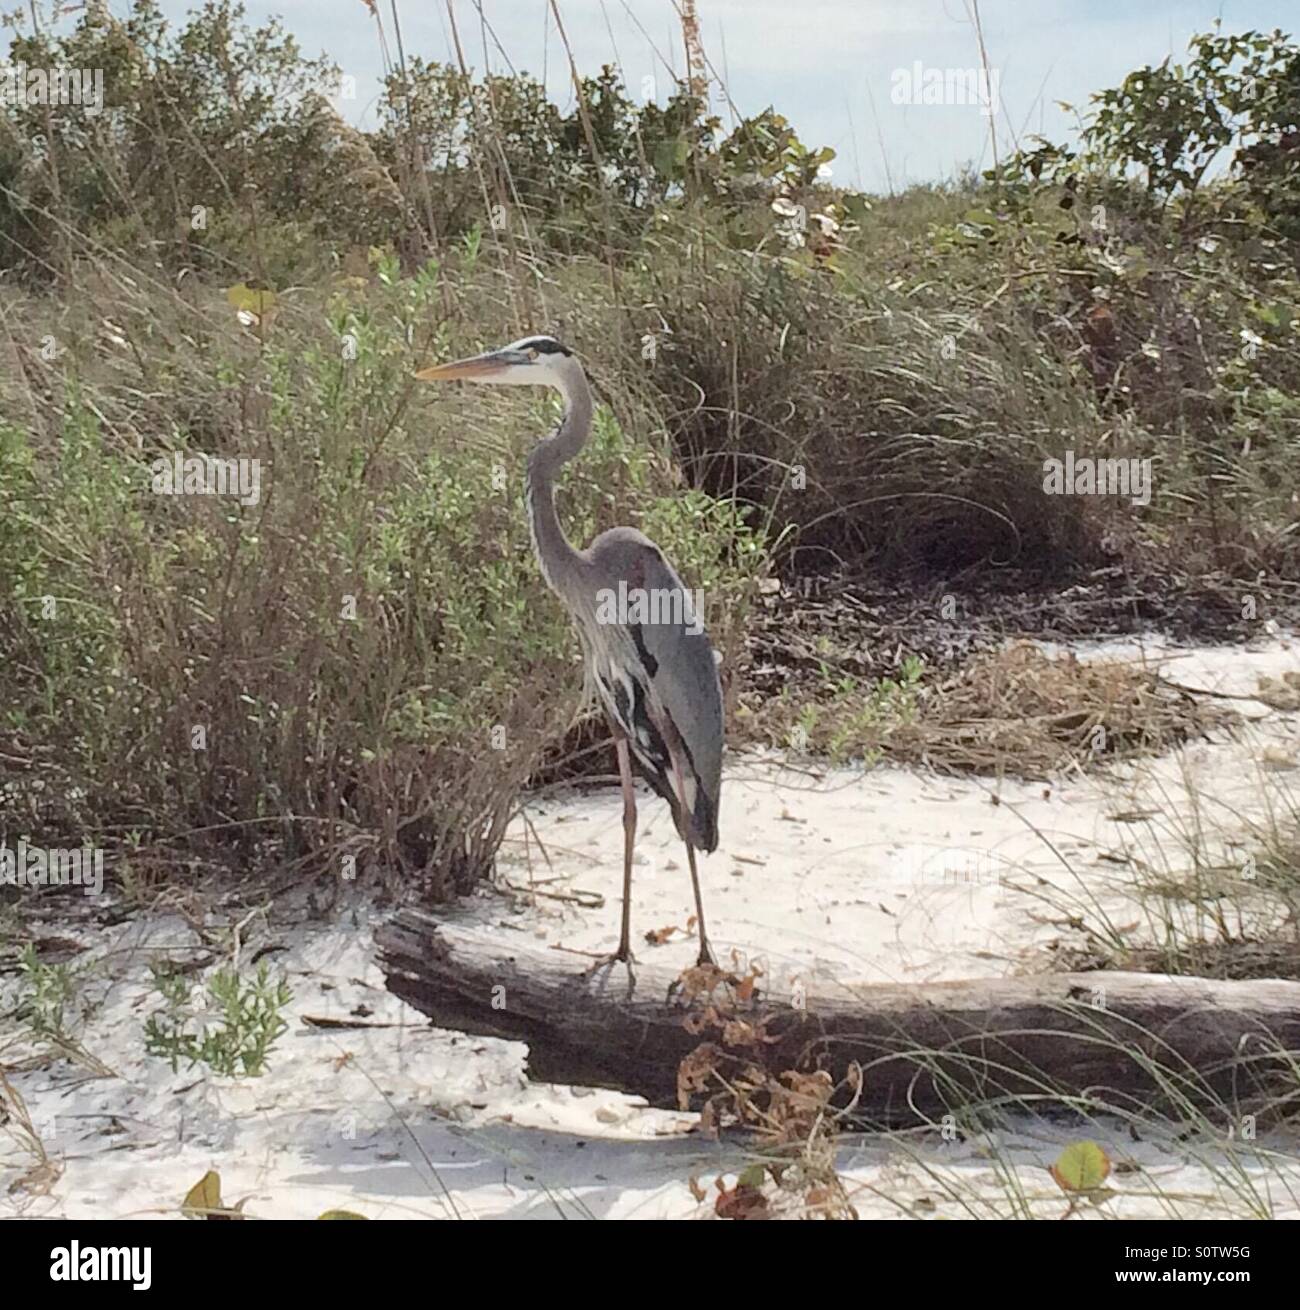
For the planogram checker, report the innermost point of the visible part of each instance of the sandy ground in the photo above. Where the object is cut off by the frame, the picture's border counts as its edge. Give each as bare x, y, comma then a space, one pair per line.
837, 874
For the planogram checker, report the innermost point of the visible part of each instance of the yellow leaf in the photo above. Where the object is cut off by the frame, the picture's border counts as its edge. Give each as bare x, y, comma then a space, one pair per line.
340, 1214
1082, 1167
204, 1197
252, 300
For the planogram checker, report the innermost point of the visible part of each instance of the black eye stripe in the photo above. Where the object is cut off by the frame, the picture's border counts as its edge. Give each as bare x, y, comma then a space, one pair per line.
544, 346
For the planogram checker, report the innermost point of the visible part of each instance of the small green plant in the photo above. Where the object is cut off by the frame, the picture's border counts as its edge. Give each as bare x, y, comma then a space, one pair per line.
250, 1021
49, 991
802, 735
896, 697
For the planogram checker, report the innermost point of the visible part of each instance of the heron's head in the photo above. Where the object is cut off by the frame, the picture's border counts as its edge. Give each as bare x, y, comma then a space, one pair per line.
529, 362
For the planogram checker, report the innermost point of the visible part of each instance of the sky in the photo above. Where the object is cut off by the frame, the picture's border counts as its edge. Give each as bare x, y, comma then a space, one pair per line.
840, 70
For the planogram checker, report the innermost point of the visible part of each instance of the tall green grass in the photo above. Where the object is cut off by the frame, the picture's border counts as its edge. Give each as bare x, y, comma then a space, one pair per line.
364, 665
361, 669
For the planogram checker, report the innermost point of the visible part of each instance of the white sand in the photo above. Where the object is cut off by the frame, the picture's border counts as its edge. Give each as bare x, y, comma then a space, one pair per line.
829, 873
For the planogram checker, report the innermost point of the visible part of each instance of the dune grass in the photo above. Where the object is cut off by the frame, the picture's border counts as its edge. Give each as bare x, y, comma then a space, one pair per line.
359, 669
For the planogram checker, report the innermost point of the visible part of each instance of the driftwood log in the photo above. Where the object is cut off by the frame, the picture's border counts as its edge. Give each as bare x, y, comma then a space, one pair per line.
1089, 1040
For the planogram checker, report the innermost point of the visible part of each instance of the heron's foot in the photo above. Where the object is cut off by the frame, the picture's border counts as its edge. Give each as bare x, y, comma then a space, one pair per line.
706, 954
621, 956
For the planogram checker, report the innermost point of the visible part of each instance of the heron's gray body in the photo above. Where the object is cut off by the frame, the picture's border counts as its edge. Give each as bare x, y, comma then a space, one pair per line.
658, 681
654, 672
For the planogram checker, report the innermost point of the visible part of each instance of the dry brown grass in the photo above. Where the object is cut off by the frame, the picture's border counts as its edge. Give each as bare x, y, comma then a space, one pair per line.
1015, 711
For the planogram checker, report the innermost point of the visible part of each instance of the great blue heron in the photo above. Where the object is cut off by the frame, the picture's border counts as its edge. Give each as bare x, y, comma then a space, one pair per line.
645, 649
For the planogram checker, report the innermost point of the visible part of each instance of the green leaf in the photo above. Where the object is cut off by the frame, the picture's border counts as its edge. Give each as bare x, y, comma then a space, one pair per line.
1081, 1167
856, 206
671, 156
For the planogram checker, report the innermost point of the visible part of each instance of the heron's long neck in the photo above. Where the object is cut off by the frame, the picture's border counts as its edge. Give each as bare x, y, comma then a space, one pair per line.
561, 564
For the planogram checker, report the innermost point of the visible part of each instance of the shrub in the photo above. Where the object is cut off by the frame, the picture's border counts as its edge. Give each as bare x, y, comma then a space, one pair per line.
360, 669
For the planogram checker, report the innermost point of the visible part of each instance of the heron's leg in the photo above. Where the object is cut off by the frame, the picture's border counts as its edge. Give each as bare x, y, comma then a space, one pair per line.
624, 951
706, 952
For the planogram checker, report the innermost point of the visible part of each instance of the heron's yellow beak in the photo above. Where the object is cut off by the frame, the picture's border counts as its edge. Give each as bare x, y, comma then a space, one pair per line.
478, 368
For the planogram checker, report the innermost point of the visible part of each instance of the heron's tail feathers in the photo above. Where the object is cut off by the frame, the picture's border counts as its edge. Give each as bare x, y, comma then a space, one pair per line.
703, 829
697, 825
